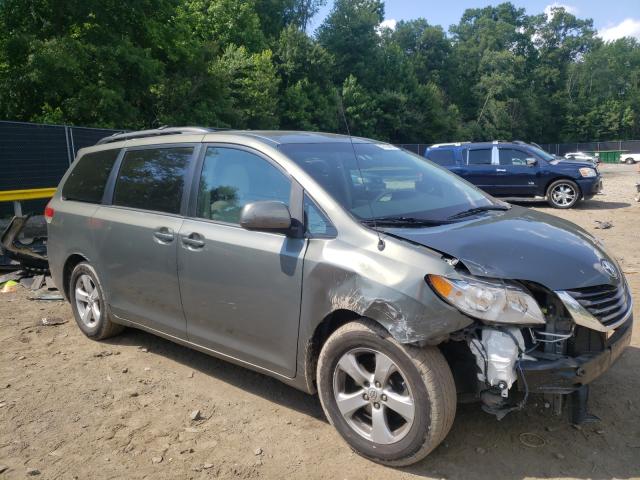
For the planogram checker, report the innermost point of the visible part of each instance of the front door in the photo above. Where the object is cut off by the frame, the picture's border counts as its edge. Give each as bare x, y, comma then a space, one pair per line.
138, 238
514, 176
240, 289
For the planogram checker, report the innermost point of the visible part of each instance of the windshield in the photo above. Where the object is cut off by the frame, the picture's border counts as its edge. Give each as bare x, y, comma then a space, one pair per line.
386, 182
541, 153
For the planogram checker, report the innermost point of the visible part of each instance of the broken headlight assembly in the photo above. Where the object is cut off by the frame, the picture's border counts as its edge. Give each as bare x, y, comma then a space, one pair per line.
492, 301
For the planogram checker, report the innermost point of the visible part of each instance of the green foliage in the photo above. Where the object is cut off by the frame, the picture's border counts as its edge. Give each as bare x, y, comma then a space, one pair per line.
498, 73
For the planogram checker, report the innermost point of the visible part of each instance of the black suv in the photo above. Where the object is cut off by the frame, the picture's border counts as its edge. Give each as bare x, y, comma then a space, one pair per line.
519, 170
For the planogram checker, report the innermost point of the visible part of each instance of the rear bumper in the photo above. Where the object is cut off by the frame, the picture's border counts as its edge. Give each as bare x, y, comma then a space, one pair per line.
564, 374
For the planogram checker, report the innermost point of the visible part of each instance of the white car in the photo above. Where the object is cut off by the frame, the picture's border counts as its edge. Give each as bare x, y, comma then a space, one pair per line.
630, 158
585, 157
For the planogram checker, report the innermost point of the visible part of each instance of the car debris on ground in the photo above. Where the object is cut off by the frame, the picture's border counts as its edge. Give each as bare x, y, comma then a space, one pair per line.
24, 244
603, 225
9, 286
42, 286
50, 321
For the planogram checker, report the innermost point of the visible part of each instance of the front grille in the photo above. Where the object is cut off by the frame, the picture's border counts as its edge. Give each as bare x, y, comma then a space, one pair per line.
608, 303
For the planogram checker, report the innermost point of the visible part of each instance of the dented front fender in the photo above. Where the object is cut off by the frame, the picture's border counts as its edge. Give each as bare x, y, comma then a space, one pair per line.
386, 286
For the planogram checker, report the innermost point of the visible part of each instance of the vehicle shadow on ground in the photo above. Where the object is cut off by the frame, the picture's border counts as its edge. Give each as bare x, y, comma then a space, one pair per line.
240, 377
479, 446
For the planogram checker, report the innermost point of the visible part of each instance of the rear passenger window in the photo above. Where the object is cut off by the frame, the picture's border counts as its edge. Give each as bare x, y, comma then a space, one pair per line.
152, 179
479, 157
442, 156
231, 178
89, 176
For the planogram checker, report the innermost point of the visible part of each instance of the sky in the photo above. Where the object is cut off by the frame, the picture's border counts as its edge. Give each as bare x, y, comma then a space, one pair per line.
612, 18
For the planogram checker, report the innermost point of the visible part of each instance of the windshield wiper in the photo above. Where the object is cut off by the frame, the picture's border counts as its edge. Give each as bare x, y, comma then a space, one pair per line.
402, 222
473, 211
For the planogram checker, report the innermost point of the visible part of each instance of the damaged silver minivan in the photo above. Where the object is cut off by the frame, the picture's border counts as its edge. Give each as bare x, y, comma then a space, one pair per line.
340, 265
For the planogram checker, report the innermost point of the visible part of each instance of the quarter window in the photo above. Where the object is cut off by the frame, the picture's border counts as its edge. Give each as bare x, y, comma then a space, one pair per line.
153, 179
316, 222
232, 178
479, 157
89, 176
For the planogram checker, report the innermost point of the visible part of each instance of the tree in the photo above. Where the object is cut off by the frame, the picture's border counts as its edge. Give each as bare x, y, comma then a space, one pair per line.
307, 94
90, 62
276, 15
252, 86
350, 34
498, 73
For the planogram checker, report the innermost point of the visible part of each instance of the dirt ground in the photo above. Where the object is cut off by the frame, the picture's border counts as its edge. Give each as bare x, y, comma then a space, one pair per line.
74, 408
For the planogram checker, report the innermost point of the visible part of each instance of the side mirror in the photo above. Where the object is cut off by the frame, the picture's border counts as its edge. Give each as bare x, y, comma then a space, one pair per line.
266, 215
531, 162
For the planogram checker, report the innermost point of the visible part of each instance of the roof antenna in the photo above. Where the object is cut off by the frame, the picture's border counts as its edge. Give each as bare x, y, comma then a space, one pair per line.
381, 243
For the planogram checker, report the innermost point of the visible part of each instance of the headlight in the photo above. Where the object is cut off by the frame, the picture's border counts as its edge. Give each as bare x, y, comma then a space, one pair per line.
490, 301
587, 172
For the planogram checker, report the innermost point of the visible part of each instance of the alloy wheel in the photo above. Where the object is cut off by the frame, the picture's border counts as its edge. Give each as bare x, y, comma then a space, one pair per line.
563, 194
87, 300
373, 396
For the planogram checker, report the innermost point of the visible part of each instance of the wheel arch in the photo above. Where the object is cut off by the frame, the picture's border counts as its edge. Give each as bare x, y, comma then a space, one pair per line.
69, 264
563, 177
329, 324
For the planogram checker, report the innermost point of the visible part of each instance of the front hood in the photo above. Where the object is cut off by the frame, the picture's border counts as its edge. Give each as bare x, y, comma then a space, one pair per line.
573, 163
519, 244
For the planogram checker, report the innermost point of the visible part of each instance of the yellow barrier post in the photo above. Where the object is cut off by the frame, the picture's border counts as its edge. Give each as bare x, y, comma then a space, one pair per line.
16, 196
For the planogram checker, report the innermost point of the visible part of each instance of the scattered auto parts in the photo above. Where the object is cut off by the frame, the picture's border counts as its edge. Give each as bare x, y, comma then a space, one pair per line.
31, 256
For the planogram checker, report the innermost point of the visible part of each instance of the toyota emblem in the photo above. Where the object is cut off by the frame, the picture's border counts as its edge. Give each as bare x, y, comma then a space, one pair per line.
608, 267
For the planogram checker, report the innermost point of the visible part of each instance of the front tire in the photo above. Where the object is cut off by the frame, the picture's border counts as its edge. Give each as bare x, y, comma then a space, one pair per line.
563, 194
630, 161
88, 304
392, 403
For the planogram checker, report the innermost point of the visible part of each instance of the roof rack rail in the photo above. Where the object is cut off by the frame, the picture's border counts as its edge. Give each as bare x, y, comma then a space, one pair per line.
451, 144
156, 132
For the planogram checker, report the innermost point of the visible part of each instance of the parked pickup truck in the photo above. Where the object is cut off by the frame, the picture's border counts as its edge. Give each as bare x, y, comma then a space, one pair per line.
519, 170
630, 158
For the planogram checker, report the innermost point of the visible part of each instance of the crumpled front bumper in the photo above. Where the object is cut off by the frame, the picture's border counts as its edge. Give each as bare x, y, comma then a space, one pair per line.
561, 374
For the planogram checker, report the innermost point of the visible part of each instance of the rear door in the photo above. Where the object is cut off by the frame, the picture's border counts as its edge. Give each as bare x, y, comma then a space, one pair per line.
241, 289
481, 167
514, 177
138, 236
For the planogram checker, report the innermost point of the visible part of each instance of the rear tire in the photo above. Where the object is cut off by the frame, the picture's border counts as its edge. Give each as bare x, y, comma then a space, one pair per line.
563, 194
88, 304
629, 161
400, 414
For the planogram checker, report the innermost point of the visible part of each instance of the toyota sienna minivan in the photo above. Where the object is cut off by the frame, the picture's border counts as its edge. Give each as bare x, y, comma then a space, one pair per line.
342, 266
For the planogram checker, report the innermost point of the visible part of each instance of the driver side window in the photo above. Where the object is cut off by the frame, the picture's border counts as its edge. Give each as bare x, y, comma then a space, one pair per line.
510, 156
232, 178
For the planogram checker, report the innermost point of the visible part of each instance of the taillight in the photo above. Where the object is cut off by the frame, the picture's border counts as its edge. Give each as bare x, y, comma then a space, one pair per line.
49, 212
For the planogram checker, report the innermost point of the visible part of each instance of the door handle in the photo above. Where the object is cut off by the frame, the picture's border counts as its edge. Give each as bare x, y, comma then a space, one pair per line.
193, 241
501, 169
164, 235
